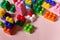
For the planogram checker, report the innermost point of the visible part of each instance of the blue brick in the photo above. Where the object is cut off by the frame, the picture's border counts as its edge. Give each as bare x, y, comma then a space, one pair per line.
8, 25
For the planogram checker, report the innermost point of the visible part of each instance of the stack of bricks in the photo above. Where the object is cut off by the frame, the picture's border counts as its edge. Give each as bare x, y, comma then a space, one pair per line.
22, 14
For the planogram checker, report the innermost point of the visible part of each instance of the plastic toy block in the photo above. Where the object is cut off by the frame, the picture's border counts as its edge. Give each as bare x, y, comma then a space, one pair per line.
33, 1
9, 19
39, 2
51, 2
1, 24
28, 6
28, 28
10, 31
21, 18
56, 9
50, 16
46, 5
8, 25
20, 8
30, 13
2, 12
31, 18
4, 17
38, 9
20, 23
28, 2
12, 9
5, 5
15, 1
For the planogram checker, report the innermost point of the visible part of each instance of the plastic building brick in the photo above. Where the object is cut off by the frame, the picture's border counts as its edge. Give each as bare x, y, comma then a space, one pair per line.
9, 19
20, 23
28, 2
51, 2
30, 13
46, 5
5, 5
8, 25
50, 16
15, 1
56, 9
12, 9
28, 28
21, 18
38, 9
39, 2
10, 31
33, 1
1, 24
31, 18
2, 12
20, 8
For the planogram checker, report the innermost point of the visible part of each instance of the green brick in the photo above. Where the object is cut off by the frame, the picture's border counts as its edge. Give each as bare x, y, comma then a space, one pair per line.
39, 2
38, 9
20, 23
5, 5
28, 28
1, 24
12, 9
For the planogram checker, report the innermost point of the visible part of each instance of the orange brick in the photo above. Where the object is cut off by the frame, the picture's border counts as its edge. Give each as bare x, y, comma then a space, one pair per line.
10, 31
50, 16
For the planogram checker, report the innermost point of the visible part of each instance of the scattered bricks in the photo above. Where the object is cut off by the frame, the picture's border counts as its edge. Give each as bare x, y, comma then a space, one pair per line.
12, 9
20, 8
51, 2
2, 12
38, 9
50, 16
1, 24
46, 5
20, 23
28, 28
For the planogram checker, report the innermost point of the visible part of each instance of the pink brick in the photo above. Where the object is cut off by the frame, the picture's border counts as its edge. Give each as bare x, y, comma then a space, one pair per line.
20, 8
56, 9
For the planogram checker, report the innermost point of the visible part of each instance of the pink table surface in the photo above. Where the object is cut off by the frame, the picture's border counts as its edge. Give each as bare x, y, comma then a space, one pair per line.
45, 30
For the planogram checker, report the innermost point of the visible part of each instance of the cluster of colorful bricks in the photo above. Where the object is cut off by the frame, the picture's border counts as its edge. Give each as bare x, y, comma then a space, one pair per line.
25, 12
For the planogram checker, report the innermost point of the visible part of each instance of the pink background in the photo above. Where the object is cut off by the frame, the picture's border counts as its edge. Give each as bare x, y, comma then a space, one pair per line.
46, 30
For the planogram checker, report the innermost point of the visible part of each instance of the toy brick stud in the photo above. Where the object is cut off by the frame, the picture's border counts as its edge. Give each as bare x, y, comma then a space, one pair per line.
1, 24
28, 28
12, 9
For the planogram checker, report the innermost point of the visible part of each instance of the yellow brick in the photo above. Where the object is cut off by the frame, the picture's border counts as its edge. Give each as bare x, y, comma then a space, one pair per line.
2, 12
29, 2
8, 19
46, 5
11, 20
